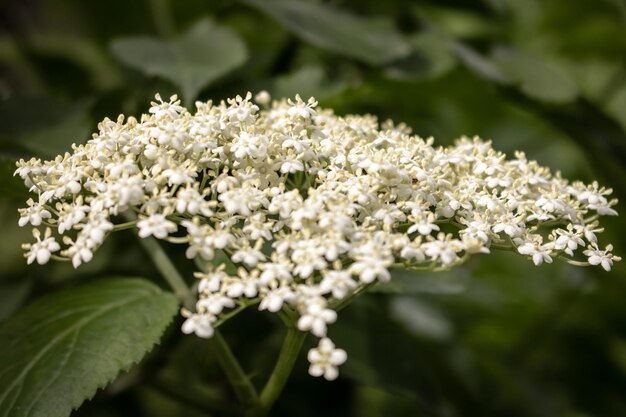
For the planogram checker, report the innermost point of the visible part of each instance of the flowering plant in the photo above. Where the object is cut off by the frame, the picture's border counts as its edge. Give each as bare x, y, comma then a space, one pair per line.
293, 209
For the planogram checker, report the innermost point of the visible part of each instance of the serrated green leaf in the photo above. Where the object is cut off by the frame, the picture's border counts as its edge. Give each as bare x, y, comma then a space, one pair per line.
192, 61
372, 40
538, 77
58, 351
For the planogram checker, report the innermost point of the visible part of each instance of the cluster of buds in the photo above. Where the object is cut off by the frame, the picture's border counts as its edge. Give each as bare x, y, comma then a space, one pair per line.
297, 210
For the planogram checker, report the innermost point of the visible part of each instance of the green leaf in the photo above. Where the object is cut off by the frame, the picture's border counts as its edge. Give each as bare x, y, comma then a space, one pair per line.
192, 61
432, 57
13, 295
308, 82
42, 126
479, 64
58, 351
11, 186
404, 281
399, 362
456, 22
82, 51
372, 40
538, 77
421, 318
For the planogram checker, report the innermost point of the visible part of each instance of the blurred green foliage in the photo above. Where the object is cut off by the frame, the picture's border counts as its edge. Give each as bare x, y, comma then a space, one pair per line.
497, 337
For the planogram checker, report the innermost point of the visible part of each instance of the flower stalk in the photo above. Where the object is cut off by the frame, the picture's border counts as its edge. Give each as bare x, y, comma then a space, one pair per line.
292, 344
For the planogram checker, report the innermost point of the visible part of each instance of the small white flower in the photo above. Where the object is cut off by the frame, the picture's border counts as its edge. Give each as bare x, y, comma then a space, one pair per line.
273, 300
301, 109
568, 240
339, 283
211, 282
214, 304
275, 271
200, 324
42, 249
325, 359
249, 256
424, 226
80, 251
538, 252
34, 214
315, 318
162, 109
155, 225
291, 166
443, 250
262, 97
601, 257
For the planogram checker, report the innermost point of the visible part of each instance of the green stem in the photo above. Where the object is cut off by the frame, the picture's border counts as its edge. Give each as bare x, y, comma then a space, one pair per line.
286, 360
191, 395
340, 304
241, 384
245, 391
168, 270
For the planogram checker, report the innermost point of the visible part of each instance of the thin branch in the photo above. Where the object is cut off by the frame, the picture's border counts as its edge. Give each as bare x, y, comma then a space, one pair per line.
286, 360
168, 270
245, 391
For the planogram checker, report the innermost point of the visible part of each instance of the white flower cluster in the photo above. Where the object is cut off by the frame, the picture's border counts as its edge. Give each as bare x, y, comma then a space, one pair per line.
305, 208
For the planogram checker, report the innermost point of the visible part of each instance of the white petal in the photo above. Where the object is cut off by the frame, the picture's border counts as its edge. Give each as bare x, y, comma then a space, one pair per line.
43, 256
338, 357
331, 373
315, 370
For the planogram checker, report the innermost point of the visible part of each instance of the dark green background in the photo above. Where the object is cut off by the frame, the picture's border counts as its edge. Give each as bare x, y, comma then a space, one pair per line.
497, 337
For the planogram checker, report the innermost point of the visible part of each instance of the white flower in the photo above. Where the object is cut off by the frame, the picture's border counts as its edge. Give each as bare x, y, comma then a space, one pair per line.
369, 269
424, 226
155, 225
569, 240
273, 300
70, 215
189, 200
215, 303
262, 97
211, 282
34, 214
443, 250
601, 257
42, 249
325, 359
315, 318
80, 251
538, 252
170, 109
200, 324
291, 166
301, 109
279, 270
308, 207
339, 283
96, 229
249, 256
